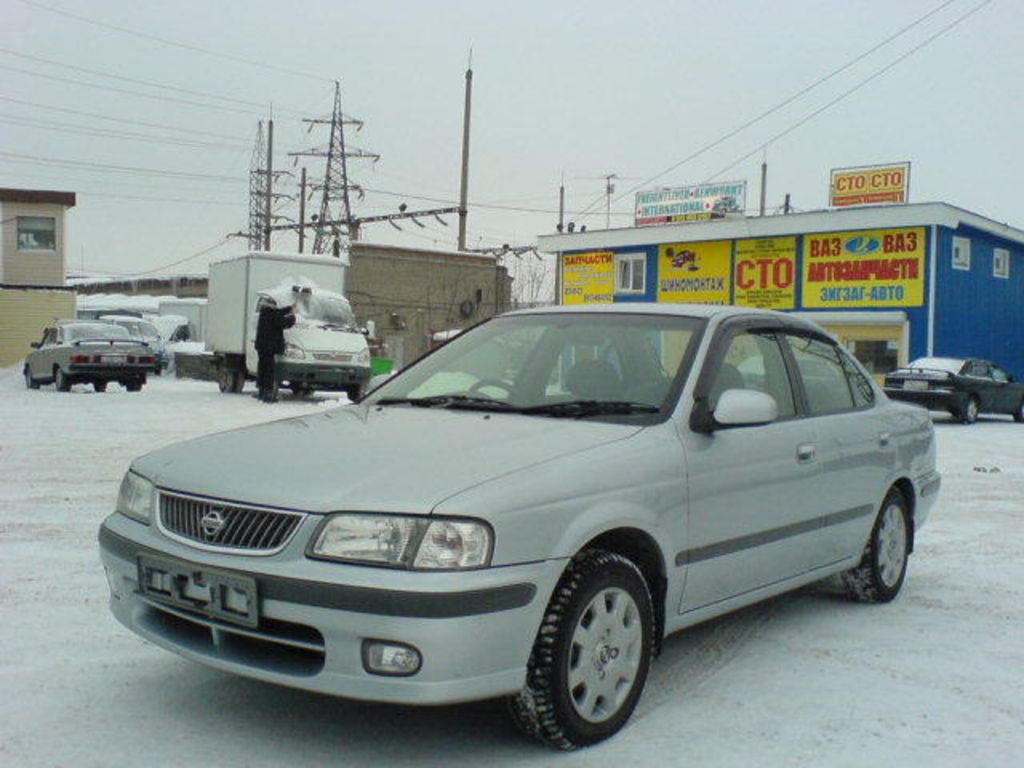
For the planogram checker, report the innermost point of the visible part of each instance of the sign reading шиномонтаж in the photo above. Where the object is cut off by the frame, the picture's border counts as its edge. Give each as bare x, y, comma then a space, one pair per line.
869, 185
765, 273
699, 201
588, 278
695, 273
876, 268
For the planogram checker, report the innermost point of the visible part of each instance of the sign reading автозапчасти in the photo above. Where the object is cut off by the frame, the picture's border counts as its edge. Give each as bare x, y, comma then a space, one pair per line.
870, 268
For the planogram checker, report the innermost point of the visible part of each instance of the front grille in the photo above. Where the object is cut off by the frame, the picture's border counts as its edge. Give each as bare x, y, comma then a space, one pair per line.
336, 357
220, 525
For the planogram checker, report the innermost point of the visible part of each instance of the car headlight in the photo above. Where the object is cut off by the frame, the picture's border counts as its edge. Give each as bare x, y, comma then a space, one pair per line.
402, 541
362, 357
135, 499
294, 352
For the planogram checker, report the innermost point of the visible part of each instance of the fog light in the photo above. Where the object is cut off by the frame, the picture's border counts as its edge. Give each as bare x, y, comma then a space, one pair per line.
382, 657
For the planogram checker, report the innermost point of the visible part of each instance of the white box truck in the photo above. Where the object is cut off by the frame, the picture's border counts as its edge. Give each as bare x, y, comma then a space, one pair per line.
325, 349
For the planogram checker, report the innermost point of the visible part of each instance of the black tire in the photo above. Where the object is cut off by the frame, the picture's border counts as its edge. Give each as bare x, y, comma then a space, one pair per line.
133, 386
1018, 415
354, 393
969, 413
230, 379
99, 386
548, 707
29, 381
877, 578
61, 379
300, 390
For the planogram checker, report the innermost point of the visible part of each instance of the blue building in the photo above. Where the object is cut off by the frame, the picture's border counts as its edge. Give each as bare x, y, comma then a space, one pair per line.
892, 283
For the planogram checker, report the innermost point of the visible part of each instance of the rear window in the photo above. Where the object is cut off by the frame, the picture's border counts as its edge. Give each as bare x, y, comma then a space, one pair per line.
81, 331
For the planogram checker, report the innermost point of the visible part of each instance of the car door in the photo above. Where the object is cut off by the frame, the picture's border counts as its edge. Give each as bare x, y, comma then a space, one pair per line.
1007, 396
41, 361
753, 491
978, 374
856, 447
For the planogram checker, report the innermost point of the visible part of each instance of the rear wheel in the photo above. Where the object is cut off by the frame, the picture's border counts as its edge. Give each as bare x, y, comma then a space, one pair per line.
969, 414
133, 386
1018, 415
61, 379
300, 390
230, 379
99, 386
592, 653
29, 381
883, 566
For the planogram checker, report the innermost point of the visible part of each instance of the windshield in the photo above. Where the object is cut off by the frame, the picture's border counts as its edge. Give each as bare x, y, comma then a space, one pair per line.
332, 310
949, 364
541, 361
80, 331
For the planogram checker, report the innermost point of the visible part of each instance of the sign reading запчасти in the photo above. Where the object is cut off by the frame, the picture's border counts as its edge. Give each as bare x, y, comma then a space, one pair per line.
699, 201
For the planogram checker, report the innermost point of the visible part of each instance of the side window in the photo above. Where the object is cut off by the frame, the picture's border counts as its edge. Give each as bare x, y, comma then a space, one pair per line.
629, 272
863, 393
754, 361
999, 374
962, 253
979, 370
823, 375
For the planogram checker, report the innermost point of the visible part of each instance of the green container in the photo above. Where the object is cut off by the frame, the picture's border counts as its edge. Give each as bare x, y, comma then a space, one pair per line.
379, 365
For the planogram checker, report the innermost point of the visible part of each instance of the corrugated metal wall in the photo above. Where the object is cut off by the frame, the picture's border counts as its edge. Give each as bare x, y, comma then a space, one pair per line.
24, 313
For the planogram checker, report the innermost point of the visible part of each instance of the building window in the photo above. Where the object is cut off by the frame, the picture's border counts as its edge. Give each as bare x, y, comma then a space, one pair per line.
1001, 263
962, 253
630, 272
37, 233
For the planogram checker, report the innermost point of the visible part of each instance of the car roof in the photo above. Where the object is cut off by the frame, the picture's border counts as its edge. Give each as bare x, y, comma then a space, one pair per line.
718, 312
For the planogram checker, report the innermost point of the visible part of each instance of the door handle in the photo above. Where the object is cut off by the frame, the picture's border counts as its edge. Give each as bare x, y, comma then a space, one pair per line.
884, 438
806, 453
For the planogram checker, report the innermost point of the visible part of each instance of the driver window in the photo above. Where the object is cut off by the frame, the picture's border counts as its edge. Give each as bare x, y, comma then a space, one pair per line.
999, 375
754, 361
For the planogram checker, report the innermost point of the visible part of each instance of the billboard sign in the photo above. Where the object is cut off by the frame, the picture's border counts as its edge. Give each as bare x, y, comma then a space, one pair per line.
701, 201
588, 278
869, 268
695, 273
765, 273
869, 185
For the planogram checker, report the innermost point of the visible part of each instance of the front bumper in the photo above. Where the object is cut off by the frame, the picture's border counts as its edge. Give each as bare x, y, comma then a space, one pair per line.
932, 399
322, 375
474, 629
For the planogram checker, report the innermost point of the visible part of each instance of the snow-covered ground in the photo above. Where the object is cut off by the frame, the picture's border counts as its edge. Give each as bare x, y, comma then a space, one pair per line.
934, 679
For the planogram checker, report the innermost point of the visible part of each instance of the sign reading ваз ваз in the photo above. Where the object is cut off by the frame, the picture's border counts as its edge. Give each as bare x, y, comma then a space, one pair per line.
869, 268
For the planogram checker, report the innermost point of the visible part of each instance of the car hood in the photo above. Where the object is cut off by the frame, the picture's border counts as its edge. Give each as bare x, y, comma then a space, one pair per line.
393, 459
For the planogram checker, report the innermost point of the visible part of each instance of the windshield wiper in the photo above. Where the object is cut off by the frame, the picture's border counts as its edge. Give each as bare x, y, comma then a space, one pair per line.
465, 402
583, 408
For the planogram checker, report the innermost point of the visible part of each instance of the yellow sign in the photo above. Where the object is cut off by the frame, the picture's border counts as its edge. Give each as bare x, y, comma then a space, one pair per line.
695, 273
871, 268
588, 278
765, 273
869, 185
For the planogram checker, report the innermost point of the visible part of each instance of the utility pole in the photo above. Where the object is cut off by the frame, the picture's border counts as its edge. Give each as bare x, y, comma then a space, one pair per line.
764, 183
561, 204
270, 184
785, 205
609, 190
302, 210
464, 185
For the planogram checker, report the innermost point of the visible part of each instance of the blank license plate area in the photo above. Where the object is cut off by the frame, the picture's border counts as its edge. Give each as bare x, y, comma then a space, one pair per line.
218, 594
114, 358
915, 385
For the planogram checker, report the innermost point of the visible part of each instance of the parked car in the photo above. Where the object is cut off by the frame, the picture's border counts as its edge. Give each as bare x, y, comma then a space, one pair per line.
527, 512
75, 352
142, 329
963, 387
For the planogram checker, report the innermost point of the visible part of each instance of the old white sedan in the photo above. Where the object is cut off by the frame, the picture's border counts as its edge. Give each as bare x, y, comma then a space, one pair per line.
527, 512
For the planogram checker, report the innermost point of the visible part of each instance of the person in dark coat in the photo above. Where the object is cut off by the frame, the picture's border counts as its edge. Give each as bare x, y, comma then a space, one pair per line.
269, 343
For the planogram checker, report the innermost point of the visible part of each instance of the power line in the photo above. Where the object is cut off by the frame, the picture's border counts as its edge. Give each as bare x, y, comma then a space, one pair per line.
903, 57
785, 102
98, 116
16, 157
147, 83
173, 43
196, 255
48, 125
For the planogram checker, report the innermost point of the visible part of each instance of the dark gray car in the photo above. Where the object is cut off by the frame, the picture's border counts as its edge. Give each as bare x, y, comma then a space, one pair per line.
75, 352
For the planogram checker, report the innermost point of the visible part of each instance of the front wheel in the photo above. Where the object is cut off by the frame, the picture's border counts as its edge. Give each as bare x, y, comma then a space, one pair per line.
354, 392
29, 381
593, 650
883, 567
99, 386
969, 414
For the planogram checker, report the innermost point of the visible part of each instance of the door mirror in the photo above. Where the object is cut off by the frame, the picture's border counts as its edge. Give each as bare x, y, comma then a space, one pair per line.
36, 344
745, 408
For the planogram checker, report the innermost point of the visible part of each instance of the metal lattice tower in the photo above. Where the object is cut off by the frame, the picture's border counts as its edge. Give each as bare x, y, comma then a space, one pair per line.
335, 220
257, 192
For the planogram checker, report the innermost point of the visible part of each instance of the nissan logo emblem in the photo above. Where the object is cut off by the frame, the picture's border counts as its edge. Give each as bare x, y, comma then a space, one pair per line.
212, 523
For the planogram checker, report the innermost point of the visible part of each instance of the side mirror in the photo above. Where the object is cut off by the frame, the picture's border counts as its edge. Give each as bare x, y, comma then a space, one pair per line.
745, 408
36, 344
365, 331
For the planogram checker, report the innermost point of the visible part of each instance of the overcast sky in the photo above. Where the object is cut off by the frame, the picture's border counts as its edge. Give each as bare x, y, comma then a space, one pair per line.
579, 89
